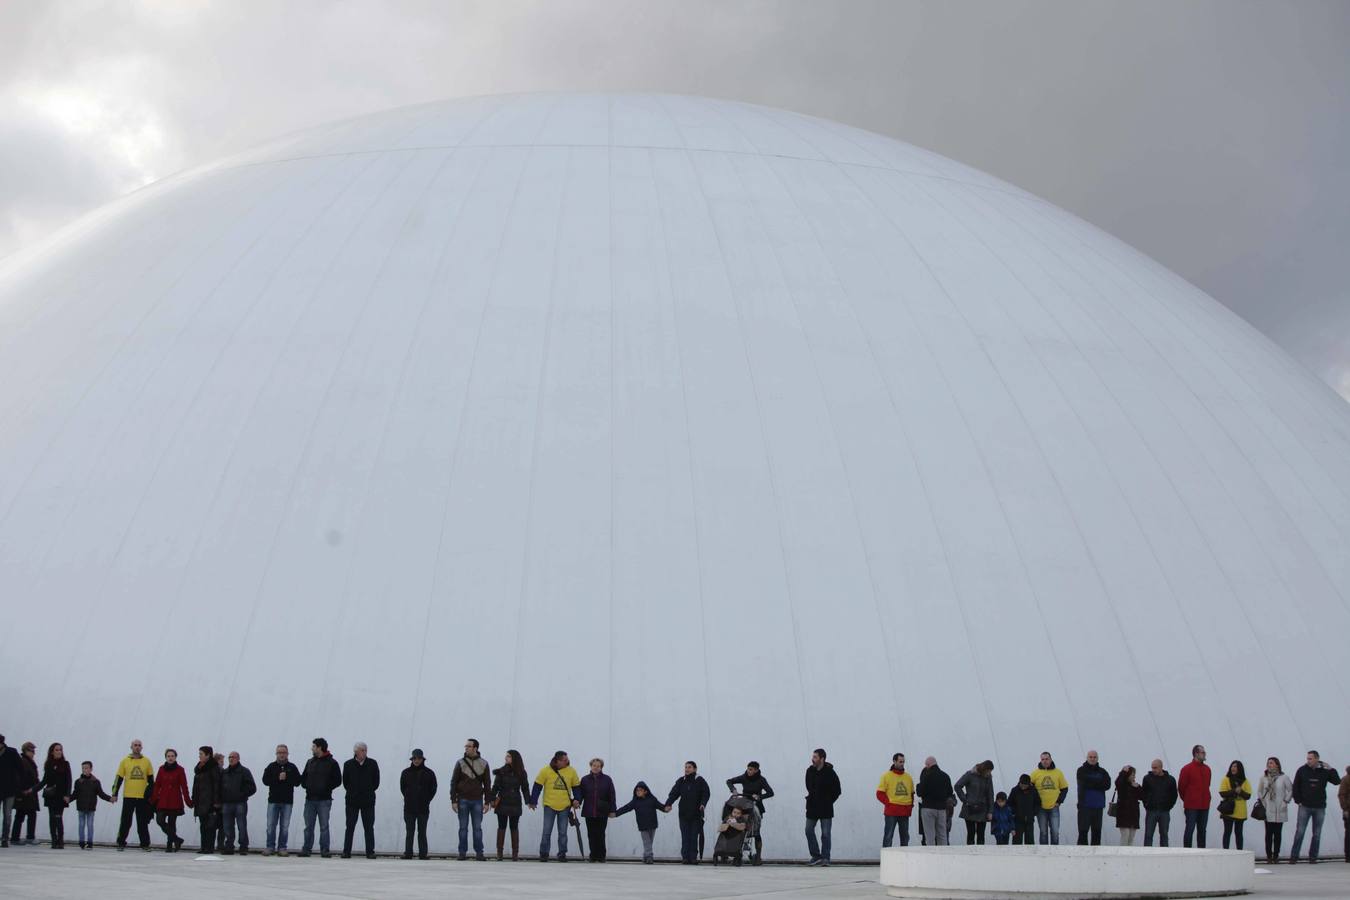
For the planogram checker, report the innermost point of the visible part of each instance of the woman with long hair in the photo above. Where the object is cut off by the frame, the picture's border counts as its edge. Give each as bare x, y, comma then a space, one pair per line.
1128, 795
1234, 787
168, 797
1274, 790
55, 787
510, 792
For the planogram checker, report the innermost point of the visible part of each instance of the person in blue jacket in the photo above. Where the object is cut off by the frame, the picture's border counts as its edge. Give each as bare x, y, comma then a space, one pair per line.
1093, 783
1004, 823
644, 808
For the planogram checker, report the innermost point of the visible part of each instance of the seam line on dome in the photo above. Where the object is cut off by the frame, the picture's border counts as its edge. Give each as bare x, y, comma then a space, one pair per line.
1148, 536
1196, 521
977, 449
1012, 191
734, 301
1107, 593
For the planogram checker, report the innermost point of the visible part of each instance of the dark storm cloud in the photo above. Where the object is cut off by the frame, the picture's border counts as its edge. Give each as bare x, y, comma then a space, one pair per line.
1212, 135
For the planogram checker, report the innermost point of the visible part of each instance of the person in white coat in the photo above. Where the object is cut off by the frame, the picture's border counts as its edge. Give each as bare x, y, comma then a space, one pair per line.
1274, 791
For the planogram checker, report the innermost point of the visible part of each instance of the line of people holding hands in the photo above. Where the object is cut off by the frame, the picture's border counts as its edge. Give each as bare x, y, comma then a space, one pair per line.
1033, 804
218, 787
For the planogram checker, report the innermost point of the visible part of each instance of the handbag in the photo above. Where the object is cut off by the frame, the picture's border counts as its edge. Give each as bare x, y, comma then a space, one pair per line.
1111, 808
1229, 804
1259, 810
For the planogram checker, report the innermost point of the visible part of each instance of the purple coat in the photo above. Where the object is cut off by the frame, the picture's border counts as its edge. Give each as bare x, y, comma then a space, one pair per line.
597, 796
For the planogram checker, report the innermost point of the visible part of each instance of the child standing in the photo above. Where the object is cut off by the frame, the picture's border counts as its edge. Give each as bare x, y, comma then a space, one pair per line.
1026, 804
1004, 824
644, 807
86, 792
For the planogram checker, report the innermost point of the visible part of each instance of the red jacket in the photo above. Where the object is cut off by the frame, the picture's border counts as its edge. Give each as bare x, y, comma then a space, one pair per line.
1193, 785
170, 790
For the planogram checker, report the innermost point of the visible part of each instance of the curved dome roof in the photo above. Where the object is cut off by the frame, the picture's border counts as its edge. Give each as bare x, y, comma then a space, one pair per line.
654, 428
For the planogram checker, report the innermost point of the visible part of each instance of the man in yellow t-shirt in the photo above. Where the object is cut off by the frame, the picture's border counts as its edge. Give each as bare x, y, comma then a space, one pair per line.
1053, 787
137, 774
896, 794
560, 786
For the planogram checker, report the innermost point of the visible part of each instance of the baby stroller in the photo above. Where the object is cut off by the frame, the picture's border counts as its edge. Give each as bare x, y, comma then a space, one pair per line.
735, 844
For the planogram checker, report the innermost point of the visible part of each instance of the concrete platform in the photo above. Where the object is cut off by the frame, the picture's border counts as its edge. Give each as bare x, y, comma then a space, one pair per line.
1045, 872
37, 873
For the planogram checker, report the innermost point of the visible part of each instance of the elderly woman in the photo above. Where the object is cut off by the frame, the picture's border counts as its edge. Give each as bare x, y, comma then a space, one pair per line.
597, 802
26, 803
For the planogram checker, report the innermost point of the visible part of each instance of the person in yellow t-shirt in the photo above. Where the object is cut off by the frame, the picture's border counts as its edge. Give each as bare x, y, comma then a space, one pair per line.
896, 795
137, 774
560, 786
1053, 787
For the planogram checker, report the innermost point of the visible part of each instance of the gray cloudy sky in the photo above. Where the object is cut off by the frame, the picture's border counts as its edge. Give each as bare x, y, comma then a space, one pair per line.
1212, 134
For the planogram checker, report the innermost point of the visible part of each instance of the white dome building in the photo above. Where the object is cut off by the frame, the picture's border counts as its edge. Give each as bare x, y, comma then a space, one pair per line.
652, 428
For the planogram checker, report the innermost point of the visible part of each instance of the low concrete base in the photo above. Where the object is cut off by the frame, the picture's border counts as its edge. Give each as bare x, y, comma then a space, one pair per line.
1064, 873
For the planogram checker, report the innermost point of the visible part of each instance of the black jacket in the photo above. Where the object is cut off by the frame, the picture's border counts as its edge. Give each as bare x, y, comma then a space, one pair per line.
28, 780
237, 784
934, 788
643, 808
9, 772
86, 792
693, 794
1159, 792
279, 791
205, 788
822, 789
756, 786
321, 777
55, 784
1025, 804
418, 784
1310, 785
361, 781
509, 791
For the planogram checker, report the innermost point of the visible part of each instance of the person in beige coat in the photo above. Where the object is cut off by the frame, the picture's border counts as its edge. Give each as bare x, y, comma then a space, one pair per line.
1274, 791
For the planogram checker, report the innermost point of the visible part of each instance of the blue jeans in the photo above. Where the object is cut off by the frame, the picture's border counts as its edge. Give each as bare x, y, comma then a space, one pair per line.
1048, 819
1196, 821
821, 850
1160, 819
278, 825
892, 824
1304, 814
551, 816
235, 817
472, 811
86, 827
317, 809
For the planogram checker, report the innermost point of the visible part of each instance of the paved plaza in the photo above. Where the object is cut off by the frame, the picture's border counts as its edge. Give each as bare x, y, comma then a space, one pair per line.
38, 873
